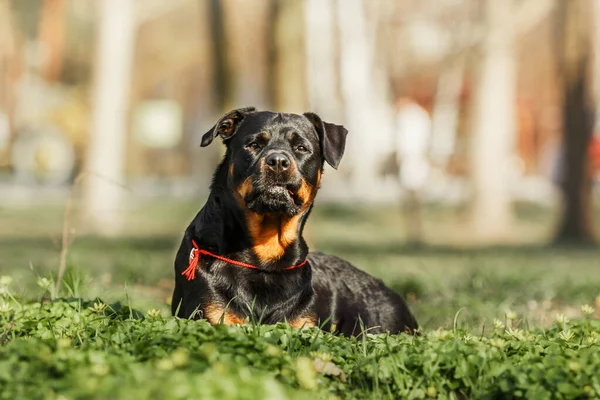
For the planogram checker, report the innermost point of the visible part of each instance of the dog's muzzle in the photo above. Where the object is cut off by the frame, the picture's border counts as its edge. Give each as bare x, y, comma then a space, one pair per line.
276, 189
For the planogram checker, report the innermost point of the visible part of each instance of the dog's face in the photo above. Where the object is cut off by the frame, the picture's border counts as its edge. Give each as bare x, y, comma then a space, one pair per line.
276, 160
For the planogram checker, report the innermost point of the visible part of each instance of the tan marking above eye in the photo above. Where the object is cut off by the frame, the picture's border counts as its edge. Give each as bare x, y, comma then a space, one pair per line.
263, 136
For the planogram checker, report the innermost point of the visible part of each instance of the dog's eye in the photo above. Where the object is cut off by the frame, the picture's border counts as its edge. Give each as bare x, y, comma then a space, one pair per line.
253, 146
301, 149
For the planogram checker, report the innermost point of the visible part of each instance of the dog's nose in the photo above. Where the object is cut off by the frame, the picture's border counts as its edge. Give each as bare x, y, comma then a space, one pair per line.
278, 162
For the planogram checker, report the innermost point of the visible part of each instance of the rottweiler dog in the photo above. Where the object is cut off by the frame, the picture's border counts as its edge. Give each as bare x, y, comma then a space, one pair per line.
243, 257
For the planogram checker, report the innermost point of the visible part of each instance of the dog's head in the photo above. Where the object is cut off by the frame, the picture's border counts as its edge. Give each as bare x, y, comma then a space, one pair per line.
276, 160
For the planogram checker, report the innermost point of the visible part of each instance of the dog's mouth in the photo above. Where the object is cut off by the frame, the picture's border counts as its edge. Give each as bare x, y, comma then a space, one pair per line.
278, 198
285, 191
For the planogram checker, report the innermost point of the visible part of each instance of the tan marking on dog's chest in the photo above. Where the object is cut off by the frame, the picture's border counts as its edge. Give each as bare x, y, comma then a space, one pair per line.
269, 243
272, 235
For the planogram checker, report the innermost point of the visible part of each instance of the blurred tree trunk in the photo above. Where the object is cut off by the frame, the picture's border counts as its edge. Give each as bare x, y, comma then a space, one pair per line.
321, 58
287, 37
575, 55
221, 87
51, 35
8, 73
364, 89
246, 26
493, 125
596, 66
204, 96
106, 145
446, 110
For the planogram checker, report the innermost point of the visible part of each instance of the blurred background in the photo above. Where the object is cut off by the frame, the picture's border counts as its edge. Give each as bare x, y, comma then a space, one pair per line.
469, 180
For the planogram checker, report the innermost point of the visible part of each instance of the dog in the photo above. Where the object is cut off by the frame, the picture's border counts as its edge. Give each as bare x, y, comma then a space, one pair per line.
243, 257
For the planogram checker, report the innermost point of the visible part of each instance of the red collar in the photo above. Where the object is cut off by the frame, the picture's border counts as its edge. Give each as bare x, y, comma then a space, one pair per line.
190, 271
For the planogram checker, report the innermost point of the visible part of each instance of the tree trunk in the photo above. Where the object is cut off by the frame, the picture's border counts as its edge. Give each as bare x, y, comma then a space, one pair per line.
246, 26
106, 146
368, 115
446, 110
575, 60
493, 127
288, 81
221, 88
596, 67
321, 52
51, 35
7, 82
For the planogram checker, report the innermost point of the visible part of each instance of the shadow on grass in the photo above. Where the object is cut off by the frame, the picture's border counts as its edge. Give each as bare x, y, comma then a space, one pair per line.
134, 260
151, 243
403, 248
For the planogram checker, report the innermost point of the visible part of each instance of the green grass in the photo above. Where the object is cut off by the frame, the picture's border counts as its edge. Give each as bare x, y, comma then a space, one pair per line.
66, 349
57, 346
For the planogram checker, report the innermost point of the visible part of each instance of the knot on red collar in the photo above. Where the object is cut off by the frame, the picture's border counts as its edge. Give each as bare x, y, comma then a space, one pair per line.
190, 271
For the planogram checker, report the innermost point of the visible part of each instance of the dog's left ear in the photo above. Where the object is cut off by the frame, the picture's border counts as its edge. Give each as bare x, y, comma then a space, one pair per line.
226, 126
332, 138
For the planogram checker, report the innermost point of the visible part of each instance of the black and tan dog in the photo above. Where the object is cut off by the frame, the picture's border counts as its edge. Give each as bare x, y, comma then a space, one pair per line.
243, 256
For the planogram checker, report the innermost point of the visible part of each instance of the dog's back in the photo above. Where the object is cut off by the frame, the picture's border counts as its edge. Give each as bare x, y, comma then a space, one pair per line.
346, 296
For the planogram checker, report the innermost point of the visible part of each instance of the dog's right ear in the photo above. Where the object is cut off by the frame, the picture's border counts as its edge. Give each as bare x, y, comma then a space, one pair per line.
226, 126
